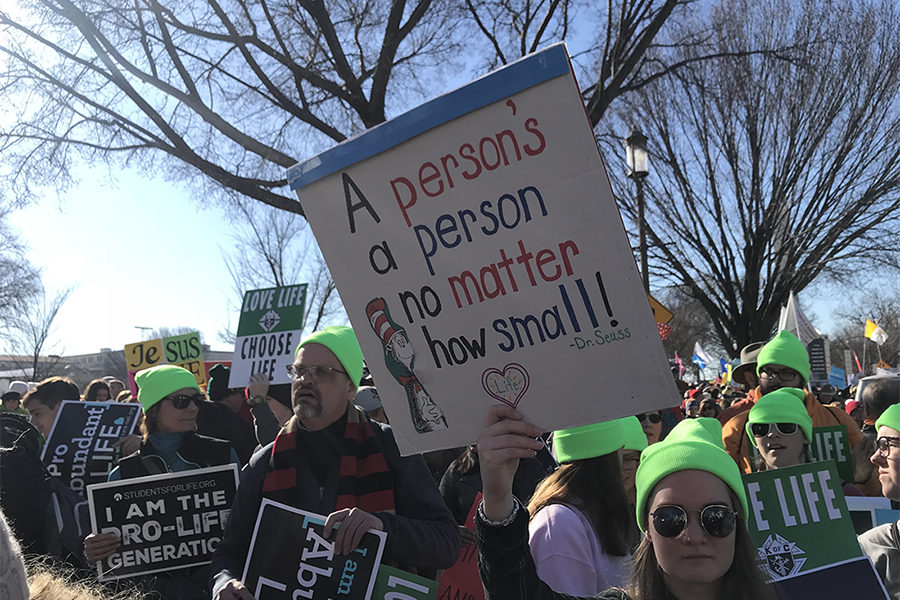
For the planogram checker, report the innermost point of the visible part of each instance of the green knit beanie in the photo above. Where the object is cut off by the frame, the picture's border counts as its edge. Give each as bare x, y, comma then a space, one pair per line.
890, 418
157, 382
341, 340
785, 349
588, 441
781, 406
635, 438
692, 444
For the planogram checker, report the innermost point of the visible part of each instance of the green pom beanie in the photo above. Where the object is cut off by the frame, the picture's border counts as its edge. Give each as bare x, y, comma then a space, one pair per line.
341, 340
588, 441
157, 382
692, 444
635, 438
890, 418
785, 349
781, 406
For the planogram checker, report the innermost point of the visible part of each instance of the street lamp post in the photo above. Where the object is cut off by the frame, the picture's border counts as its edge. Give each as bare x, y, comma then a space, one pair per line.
636, 157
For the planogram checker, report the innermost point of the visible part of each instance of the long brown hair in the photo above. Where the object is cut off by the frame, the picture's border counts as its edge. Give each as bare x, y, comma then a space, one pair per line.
594, 487
148, 423
742, 581
90, 392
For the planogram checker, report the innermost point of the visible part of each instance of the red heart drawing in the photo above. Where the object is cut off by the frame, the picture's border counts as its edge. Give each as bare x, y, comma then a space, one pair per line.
507, 386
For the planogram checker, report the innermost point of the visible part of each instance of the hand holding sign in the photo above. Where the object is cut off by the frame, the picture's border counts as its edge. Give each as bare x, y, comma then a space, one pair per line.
98, 546
259, 385
505, 438
234, 590
128, 444
354, 523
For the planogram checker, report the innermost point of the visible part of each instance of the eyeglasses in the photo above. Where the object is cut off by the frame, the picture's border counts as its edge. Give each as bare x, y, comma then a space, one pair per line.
315, 373
182, 401
784, 375
884, 444
717, 520
763, 429
652, 417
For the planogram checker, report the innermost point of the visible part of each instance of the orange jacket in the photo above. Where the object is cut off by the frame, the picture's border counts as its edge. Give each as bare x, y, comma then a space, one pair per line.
742, 405
734, 435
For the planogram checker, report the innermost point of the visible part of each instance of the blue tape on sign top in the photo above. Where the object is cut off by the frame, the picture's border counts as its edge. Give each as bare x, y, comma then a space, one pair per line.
511, 79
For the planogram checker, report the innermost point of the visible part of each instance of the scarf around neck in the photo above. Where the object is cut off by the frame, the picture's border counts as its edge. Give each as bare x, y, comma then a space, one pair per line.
365, 482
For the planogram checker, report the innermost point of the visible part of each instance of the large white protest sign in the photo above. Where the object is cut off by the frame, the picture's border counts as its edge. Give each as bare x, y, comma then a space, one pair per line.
481, 258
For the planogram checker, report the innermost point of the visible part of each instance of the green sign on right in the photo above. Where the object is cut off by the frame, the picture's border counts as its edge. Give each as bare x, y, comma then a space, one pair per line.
798, 519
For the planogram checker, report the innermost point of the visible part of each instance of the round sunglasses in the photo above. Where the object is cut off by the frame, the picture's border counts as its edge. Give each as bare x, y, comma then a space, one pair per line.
763, 429
182, 401
717, 520
652, 417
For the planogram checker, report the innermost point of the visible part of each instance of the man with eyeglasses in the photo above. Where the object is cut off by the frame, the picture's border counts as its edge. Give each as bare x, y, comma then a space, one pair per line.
784, 363
745, 374
882, 543
332, 460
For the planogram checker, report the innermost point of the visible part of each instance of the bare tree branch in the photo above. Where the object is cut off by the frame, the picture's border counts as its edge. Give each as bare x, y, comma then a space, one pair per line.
29, 338
230, 90
769, 174
272, 249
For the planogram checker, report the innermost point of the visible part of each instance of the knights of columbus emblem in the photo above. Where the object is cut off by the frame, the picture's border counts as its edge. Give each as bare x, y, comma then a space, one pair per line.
780, 558
269, 320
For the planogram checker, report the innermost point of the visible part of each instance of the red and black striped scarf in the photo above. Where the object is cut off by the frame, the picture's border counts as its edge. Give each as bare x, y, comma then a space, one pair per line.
365, 481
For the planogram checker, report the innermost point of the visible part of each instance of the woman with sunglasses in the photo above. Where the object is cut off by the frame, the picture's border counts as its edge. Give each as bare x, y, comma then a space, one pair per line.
882, 543
651, 422
170, 399
691, 508
781, 429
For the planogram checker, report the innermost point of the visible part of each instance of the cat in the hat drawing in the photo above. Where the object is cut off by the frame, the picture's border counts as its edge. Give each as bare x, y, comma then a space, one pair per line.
399, 358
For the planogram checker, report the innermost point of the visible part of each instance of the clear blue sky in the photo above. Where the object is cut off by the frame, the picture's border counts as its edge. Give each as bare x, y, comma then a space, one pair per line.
141, 252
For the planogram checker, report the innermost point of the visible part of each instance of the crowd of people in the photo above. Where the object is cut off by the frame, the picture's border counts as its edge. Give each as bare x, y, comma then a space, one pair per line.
650, 506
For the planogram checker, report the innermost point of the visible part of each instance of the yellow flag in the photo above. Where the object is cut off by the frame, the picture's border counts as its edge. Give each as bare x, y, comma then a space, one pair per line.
875, 333
871, 326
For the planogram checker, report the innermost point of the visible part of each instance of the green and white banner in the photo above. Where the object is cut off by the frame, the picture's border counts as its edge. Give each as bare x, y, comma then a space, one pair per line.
798, 519
268, 333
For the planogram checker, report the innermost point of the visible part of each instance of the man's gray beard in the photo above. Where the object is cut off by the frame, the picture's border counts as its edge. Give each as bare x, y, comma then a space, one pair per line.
308, 411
